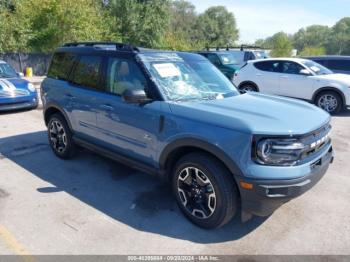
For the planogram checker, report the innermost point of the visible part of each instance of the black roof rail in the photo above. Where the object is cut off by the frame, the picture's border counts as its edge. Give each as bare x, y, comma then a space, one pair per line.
241, 47
118, 46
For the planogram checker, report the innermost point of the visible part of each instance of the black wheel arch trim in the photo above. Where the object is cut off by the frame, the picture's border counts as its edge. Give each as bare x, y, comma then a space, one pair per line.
200, 145
55, 106
329, 88
249, 82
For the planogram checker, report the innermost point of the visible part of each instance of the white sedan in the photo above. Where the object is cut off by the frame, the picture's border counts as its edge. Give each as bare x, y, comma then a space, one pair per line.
297, 78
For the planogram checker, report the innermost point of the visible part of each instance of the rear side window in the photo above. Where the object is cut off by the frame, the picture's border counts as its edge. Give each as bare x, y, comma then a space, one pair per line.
87, 72
343, 65
268, 66
61, 65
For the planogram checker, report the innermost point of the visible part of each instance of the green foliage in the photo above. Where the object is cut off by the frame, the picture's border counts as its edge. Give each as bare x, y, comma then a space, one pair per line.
313, 51
315, 35
217, 27
340, 38
141, 22
281, 45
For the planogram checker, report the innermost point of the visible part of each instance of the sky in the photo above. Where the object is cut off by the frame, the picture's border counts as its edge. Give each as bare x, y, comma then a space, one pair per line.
262, 18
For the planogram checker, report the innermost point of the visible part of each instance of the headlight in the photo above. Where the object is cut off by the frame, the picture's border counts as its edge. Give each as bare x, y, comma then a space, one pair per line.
278, 152
31, 87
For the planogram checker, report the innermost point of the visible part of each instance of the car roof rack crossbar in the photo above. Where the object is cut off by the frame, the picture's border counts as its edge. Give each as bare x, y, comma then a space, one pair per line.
118, 46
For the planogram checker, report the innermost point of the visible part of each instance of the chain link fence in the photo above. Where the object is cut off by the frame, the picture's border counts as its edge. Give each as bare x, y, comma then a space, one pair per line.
19, 61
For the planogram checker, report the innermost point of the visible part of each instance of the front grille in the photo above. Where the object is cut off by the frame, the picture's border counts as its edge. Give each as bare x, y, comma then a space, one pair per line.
14, 93
316, 141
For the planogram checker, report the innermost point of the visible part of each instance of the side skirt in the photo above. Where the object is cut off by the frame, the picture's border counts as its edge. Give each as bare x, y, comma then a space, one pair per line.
119, 158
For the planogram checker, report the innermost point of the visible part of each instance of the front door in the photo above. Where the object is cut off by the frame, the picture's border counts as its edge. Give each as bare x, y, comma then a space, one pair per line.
130, 129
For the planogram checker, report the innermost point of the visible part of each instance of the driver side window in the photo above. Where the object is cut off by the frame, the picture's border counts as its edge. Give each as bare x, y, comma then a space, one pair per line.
124, 74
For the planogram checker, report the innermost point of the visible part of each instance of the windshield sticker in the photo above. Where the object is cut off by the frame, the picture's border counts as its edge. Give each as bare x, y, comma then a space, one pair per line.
315, 68
167, 70
159, 57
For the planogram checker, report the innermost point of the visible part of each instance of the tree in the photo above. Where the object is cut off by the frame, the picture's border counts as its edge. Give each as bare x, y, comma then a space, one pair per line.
14, 31
313, 51
281, 45
141, 22
54, 22
340, 38
311, 36
217, 27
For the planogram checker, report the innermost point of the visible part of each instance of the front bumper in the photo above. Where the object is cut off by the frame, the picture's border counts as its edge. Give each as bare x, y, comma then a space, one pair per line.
19, 103
267, 195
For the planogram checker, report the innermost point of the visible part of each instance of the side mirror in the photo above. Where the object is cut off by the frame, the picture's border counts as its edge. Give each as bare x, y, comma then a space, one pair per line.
304, 72
135, 96
20, 74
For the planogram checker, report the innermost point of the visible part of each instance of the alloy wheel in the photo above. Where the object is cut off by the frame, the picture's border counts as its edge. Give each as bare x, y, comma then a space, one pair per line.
196, 192
328, 102
58, 136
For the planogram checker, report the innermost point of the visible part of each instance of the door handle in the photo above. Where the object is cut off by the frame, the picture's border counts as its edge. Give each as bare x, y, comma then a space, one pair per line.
258, 74
284, 77
107, 107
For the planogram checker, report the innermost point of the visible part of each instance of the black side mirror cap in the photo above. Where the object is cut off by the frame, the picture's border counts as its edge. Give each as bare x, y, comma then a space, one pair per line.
137, 96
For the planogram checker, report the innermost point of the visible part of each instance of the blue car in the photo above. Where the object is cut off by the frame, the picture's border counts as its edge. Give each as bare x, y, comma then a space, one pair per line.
15, 92
175, 115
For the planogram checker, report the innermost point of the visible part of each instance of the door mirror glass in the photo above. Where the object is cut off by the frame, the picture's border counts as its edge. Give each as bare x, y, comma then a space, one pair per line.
137, 96
304, 72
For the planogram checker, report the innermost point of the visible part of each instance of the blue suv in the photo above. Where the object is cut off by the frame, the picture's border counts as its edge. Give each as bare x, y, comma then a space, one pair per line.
176, 115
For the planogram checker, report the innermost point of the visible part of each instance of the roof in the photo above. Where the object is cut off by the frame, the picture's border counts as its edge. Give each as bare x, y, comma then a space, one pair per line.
112, 48
293, 59
337, 57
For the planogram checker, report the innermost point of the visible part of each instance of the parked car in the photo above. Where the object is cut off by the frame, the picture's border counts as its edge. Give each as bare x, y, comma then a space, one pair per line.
175, 115
338, 64
15, 92
297, 78
226, 62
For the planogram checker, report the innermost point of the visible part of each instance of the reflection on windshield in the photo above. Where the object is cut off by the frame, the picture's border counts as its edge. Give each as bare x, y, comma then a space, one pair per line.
228, 59
183, 80
7, 71
317, 68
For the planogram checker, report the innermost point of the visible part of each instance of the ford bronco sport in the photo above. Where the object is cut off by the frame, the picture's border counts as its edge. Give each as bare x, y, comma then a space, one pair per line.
176, 115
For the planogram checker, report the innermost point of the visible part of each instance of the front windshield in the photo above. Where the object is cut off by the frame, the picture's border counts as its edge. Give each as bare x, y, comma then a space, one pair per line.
181, 79
316, 68
7, 71
228, 59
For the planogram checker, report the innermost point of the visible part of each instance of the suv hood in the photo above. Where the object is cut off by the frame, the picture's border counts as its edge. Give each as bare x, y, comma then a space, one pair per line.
256, 113
343, 78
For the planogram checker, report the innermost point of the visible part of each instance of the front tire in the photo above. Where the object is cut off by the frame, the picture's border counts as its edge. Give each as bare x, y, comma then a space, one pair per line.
329, 101
248, 87
205, 190
60, 137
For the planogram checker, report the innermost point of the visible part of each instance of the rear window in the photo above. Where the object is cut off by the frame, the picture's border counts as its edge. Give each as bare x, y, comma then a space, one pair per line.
61, 65
269, 66
339, 65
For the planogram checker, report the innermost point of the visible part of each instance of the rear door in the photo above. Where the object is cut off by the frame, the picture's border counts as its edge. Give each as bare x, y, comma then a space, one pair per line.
266, 76
84, 86
129, 129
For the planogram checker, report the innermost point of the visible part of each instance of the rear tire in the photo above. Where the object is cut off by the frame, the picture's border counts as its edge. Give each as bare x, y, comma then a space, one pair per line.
60, 137
329, 101
205, 190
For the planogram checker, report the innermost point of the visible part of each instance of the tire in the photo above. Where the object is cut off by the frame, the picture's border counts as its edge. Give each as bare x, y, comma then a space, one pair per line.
329, 101
60, 137
215, 201
248, 87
